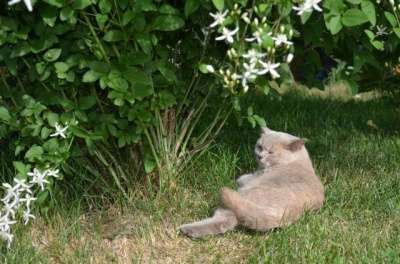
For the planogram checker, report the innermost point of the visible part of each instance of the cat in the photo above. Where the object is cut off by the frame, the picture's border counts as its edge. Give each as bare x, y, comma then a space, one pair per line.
277, 194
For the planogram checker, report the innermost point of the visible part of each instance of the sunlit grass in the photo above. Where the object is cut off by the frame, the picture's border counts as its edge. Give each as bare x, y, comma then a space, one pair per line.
356, 151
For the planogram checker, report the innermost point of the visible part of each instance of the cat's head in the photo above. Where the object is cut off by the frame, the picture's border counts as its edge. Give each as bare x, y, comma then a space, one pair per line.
277, 148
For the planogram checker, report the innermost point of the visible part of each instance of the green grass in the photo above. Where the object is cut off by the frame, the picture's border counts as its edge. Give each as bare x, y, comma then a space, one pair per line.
359, 223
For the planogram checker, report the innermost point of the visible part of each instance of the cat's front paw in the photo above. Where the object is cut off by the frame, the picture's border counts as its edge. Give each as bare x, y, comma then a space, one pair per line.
189, 230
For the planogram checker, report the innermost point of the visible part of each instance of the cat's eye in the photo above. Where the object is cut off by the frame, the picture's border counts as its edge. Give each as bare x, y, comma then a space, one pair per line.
259, 147
270, 152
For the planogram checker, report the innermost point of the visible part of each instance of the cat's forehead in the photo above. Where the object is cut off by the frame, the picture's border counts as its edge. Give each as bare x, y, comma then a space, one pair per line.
275, 137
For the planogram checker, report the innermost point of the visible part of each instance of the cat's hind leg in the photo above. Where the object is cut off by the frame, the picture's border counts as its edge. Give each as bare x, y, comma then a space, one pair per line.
223, 220
250, 214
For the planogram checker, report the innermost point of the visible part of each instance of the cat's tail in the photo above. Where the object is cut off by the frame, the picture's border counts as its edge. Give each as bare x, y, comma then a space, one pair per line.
249, 214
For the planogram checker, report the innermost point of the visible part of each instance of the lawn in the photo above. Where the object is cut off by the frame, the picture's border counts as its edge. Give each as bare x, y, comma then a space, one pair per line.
355, 147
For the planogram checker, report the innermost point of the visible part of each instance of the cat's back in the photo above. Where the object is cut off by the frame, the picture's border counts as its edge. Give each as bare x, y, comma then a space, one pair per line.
291, 184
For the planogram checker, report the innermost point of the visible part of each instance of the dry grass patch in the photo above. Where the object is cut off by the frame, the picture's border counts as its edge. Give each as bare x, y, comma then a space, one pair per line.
113, 236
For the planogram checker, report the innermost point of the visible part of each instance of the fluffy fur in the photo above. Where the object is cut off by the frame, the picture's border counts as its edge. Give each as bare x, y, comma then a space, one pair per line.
277, 194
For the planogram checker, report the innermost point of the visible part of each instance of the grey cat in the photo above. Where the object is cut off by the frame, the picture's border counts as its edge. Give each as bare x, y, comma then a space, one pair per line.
277, 194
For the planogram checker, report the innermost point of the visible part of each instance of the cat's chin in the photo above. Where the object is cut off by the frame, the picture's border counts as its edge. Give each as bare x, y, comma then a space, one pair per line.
263, 165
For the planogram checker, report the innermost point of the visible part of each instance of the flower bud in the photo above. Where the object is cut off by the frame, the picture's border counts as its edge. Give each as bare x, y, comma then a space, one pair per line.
289, 58
210, 68
245, 17
256, 21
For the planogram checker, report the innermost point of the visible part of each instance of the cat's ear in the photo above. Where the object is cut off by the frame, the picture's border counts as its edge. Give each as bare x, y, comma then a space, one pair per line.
266, 130
295, 145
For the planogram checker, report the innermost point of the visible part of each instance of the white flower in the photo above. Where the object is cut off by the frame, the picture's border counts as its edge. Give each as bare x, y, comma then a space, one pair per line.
253, 55
269, 67
381, 30
54, 173
257, 36
7, 236
5, 223
9, 209
227, 34
22, 186
12, 192
308, 6
60, 131
27, 215
28, 3
289, 58
249, 75
281, 39
219, 18
38, 178
28, 199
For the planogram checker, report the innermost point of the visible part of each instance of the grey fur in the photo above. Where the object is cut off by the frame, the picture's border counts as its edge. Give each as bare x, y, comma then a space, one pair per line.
277, 194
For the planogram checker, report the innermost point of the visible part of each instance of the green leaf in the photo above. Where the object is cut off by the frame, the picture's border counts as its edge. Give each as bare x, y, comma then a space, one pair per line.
4, 114
378, 44
34, 153
144, 40
101, 20
354, 2
168, 10
49, 15
81, 4
397, 32
61, 67
147, 5
203, 68
354, 87
260, 121
52, 118
391, 18
354, 17
305, 16
113, 36
250, 111
21, 168
66, 13
369, 10
56, 3
149, 165
105, 6
116, 82
99, 66
167, 70
87, 102
219, 4
370, 34
334, 24
127, 17
142, 83
168, 23
167, 99
191, 6
20, 49
52, 55
91, 76
45, 132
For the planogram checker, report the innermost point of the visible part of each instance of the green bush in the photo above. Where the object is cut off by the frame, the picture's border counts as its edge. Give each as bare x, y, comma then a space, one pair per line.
107, 73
